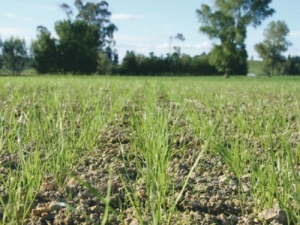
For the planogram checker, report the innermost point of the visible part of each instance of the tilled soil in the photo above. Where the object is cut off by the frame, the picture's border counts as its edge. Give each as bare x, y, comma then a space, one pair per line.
213, 194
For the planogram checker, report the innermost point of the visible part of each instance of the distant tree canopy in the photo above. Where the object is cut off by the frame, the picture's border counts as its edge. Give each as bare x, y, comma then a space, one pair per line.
228, 24
14, 55
45, 52
275, 43
138, 64
1, 60
77, 46
79, 41
94, 14
291, 66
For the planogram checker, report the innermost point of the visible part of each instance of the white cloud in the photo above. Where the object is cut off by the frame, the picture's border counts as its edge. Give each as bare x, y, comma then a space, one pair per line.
11, 31
6, 33
163, 46
129, 38
142, 49
204, 44
15, 16
44, 7
171, 28
39, 6
295, 34
124, 16
9, 15
188, 48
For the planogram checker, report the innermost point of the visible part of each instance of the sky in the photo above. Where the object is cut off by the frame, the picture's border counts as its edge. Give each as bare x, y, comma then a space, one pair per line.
145, 26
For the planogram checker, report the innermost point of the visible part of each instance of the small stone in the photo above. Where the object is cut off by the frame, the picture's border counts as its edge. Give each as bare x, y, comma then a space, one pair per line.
127, 221
270, 215
95, 209
255, 220
275, 222
210, 218
94, 216
85, 201
234, 218
245, 187
44, 215
233, 182
248, 221
141, 192
53, 206
39, 211
222, 179
134, 222
80, 209
246, 177
92, 167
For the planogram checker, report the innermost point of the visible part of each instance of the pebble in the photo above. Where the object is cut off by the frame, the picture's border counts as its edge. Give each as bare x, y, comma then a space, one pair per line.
276, 215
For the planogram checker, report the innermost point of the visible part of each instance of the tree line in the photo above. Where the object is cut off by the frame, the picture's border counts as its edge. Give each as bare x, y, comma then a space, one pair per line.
85, 44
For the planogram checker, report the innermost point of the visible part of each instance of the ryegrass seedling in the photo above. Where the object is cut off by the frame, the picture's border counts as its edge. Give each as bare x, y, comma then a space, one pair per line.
58, 120
151, 130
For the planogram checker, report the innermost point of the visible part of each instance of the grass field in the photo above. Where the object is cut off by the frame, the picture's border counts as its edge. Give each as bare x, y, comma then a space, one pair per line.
131, 150
255, 66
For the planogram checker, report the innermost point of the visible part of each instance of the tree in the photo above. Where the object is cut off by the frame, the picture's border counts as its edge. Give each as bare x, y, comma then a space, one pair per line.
44, 51
174, 57
228, 23
275, 43
1, 60
94, 14
14, 54
291, 66
104, 65
185, 64
97, 14
129, 64
200, 66
78, 46
111, 54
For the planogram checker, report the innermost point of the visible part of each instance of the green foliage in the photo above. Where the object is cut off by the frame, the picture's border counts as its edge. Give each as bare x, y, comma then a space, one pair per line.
275, 43
1, 60
95, 14
79, 42
104, 66
138, 64
229, 59
75, 51
228, 24
129, 64
292, 66
78, 45
14, 55
111, 54
198, 65
45, 52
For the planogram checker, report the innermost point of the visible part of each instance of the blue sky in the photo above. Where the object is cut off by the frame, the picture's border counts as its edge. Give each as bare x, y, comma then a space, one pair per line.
144, 26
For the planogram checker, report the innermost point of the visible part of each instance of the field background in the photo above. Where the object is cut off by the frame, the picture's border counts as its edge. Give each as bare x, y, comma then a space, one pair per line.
254, 66
149, 150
